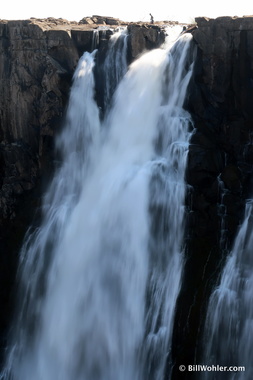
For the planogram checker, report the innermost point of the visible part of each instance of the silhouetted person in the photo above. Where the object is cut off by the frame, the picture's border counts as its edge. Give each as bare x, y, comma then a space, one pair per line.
151, 19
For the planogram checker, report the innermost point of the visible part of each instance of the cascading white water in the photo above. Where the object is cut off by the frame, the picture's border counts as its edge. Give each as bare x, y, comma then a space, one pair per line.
117, 58
76, 144
114, 67
172, 33
167, 190
229, 324
102, 273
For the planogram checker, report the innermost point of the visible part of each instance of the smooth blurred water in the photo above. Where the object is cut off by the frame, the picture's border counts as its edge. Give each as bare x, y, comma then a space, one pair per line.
101, 275
229, 324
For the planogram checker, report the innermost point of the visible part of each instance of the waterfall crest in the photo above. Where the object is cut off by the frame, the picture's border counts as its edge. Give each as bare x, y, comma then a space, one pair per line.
102, 273
111, 68
115, 65
166, 206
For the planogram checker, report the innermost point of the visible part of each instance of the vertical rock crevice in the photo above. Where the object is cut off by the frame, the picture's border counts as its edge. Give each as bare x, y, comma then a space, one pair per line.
38, 58
219, 170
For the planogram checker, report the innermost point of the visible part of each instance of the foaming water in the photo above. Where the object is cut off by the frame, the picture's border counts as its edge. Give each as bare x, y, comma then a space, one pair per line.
76, 144
115, 65
229, 324
166, 207
112, 68
102, 306
172, 33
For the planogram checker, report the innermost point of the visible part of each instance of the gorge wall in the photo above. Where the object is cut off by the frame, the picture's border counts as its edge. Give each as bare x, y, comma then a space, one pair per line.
37, 61
219, 168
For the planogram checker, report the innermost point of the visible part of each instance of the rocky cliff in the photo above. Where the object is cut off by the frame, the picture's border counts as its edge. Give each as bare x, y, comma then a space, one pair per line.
220, 169
37, 60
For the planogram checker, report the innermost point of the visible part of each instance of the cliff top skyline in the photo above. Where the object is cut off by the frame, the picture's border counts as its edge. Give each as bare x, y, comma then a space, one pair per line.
183, 11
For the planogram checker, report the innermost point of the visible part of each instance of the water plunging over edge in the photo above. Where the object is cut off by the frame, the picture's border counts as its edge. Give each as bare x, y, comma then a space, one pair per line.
229, 322
108, 297
76, 144
167, 191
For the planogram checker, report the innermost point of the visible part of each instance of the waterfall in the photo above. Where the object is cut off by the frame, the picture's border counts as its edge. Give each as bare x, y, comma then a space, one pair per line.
95, 39
76, 145
229, 324
115, 65
100, 276
110, 69
167, 195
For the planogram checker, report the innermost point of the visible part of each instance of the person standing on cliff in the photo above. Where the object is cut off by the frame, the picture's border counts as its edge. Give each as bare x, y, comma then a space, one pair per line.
151, 19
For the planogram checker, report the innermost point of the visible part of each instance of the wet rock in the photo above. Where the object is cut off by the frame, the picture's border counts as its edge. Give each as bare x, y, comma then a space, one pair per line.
220, 169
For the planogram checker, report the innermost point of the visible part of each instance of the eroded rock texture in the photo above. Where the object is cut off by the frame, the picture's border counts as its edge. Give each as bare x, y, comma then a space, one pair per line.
37, 61
35, 69
219, 171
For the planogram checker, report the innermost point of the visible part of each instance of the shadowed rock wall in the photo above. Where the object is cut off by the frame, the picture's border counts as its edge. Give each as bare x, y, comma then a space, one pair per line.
219, 172
36, 64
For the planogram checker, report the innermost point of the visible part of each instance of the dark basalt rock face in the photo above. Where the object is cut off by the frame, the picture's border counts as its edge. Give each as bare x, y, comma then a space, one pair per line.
220, 169
36, 64
38, 58
37, 61
144, 38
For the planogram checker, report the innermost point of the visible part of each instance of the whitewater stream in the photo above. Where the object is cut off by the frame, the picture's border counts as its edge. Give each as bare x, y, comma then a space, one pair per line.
100, 277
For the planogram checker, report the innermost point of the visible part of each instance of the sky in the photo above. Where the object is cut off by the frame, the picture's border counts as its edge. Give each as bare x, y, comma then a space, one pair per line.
129, 10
